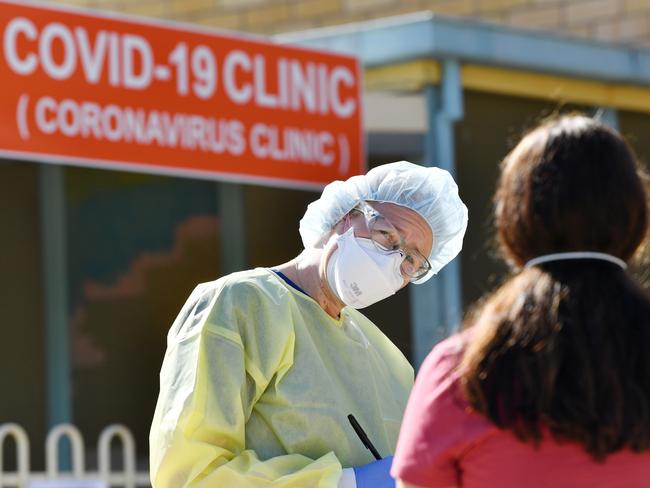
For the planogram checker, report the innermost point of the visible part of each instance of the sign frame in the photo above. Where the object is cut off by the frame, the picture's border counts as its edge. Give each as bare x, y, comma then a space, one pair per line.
122, 164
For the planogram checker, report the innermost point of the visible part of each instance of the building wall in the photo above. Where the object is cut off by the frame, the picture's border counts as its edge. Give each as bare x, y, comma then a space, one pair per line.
611, 20
22, 354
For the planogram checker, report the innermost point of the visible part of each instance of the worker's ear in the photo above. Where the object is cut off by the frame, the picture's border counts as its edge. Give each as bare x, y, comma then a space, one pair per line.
339, 228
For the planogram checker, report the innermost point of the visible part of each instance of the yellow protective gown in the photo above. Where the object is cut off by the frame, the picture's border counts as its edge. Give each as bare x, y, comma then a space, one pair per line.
257, 383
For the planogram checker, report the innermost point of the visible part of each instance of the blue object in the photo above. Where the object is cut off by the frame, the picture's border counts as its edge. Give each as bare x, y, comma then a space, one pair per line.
375, 474
288, 281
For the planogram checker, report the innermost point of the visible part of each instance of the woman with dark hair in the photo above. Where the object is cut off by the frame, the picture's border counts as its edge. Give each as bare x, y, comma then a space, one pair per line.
549, 385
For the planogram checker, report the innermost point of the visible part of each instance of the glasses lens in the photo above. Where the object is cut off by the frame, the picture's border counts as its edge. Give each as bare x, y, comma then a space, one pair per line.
382, 232
415, 265
387, 239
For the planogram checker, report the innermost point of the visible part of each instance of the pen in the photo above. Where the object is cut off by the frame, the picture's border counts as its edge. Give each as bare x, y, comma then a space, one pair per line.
362, 435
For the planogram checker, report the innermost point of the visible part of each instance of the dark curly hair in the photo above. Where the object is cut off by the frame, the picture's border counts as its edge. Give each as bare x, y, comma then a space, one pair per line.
566, 344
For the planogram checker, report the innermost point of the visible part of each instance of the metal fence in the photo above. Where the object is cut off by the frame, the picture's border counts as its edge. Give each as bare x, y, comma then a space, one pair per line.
126, 477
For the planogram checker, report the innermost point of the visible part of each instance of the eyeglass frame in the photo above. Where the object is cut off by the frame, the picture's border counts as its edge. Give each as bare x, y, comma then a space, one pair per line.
371, 215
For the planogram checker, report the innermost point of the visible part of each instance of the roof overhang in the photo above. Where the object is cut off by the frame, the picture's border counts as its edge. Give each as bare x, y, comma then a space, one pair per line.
424, 35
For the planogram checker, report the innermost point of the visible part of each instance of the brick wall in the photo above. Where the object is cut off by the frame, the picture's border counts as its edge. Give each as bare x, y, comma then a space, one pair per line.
611, 20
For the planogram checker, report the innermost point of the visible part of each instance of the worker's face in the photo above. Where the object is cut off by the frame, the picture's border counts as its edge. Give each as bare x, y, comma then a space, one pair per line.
413, 231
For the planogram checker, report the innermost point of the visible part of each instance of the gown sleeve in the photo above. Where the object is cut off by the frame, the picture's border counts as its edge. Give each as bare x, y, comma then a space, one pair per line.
214, 371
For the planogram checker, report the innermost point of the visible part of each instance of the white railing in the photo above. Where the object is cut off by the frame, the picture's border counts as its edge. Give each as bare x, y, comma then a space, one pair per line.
128, 477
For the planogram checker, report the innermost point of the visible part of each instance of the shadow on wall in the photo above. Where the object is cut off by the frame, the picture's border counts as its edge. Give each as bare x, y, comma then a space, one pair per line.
119, 330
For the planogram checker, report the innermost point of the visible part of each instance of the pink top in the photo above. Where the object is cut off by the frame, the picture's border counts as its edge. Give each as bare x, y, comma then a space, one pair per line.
443, 443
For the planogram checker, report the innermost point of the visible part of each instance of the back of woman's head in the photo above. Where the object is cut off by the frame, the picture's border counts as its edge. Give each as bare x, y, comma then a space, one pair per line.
570, 185
563, 345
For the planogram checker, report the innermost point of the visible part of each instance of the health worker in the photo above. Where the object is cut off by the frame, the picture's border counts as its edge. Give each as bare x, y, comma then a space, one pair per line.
263, 366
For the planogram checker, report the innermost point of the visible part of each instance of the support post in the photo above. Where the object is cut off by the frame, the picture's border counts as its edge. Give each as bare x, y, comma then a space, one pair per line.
608, 116
436, 306
55, 278
232, 215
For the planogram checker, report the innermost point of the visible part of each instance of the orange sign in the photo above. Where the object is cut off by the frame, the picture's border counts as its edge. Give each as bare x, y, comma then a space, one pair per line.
109, 91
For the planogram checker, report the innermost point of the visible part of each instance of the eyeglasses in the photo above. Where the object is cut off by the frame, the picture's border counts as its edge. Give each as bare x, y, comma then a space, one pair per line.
387, 239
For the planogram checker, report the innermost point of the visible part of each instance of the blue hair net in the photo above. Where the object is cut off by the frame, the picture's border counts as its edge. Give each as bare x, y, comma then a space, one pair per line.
431, 192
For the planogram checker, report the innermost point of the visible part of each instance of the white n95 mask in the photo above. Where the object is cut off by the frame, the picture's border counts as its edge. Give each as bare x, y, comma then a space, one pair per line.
360, 274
